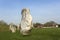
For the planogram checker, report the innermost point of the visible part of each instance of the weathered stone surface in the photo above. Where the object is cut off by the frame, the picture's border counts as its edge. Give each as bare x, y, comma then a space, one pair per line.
12, 27
26, 21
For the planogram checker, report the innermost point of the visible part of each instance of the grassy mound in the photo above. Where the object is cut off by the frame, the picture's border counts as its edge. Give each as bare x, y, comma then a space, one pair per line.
36, 34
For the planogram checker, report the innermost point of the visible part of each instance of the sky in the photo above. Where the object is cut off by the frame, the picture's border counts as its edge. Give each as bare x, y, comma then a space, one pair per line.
42, 11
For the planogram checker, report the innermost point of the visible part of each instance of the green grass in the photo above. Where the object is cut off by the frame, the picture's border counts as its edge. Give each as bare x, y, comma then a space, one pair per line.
36, 34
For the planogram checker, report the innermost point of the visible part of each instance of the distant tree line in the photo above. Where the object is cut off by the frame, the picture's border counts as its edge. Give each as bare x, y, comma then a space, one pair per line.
47, 24
4, 25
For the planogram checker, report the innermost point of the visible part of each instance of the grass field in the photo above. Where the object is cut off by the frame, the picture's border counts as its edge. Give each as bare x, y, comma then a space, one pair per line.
36, 34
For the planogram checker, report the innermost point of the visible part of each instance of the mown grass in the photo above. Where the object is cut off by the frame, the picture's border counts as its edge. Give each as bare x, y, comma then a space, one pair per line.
36, 34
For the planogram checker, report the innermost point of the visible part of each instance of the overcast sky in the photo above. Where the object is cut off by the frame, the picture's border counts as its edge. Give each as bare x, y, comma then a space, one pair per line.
41, 10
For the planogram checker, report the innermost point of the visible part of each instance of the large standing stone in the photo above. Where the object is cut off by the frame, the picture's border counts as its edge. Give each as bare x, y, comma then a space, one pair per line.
26, 21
